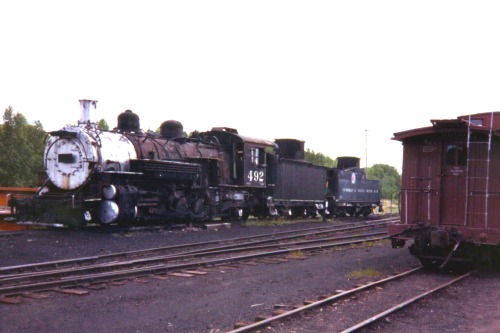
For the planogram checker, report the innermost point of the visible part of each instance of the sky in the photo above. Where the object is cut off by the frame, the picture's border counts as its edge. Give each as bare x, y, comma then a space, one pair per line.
343, 76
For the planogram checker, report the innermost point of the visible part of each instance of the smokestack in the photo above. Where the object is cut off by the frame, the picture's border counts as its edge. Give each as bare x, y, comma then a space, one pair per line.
85, 117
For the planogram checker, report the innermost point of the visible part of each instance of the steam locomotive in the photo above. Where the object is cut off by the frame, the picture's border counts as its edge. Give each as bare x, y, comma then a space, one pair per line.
127, 175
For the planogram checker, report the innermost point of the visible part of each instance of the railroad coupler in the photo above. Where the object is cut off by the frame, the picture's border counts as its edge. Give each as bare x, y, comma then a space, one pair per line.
397, 243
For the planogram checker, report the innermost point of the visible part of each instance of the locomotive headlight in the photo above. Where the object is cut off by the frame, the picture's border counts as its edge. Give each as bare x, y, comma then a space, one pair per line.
109, 192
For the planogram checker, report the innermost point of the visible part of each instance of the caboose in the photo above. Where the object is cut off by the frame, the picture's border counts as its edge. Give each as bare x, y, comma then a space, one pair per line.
450, 191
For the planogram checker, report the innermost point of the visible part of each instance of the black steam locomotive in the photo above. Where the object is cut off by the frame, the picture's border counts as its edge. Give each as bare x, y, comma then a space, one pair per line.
127, 175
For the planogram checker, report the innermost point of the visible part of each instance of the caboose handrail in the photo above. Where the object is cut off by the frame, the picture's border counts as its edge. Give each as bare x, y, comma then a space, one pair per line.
417, 190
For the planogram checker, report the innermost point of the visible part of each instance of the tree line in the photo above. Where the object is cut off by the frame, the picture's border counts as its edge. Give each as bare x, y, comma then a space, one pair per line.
22, 148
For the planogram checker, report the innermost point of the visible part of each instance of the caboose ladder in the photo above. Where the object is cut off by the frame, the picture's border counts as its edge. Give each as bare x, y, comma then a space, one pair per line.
481, 168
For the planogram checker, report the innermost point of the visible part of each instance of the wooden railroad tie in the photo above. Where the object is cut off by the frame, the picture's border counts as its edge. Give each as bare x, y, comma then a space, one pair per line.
278, 312
181, 275
96, 286
195, 272
36, 295
77, 292
117, 283
241, 324
10, 300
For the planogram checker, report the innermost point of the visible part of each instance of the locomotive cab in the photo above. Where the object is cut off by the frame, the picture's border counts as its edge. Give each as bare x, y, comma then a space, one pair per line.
248, 157
242, 171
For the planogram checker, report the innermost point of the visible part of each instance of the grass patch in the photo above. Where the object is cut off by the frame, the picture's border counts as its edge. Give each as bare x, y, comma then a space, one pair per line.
372, 243
363, 273
297, 254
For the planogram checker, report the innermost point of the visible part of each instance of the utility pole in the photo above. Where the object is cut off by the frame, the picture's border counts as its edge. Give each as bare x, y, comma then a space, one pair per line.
366, 149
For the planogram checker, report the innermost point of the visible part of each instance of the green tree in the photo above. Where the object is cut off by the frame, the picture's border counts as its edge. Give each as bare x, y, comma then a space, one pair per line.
21, 150
103, 125
389, 177
319, 159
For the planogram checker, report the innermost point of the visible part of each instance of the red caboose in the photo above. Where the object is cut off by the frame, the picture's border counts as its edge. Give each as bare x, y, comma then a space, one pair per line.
450, 190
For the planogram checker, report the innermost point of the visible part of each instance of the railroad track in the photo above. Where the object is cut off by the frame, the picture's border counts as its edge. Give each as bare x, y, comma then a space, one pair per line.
18, 280
432, 283
193, 248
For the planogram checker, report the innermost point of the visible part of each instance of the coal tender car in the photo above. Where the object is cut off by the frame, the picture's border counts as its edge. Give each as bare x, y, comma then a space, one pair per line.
127, 175
296, 188
349, 192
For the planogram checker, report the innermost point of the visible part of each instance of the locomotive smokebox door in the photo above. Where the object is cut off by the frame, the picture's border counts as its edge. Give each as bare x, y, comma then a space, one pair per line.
69, 159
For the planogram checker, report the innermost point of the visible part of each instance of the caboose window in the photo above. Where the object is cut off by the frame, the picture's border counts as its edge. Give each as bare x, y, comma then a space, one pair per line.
66, 158
456, 154
477, 122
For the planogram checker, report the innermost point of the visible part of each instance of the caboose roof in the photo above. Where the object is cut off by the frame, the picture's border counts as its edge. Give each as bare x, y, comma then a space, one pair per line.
479, 122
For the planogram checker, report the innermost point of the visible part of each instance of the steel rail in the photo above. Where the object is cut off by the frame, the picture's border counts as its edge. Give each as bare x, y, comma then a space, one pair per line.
322, 302
73, 281
405, 304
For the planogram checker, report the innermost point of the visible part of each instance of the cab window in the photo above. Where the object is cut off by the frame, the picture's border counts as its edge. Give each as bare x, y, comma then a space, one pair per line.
258, 156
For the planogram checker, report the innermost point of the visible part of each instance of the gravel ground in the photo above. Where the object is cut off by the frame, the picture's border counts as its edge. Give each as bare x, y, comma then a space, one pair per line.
216, 301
